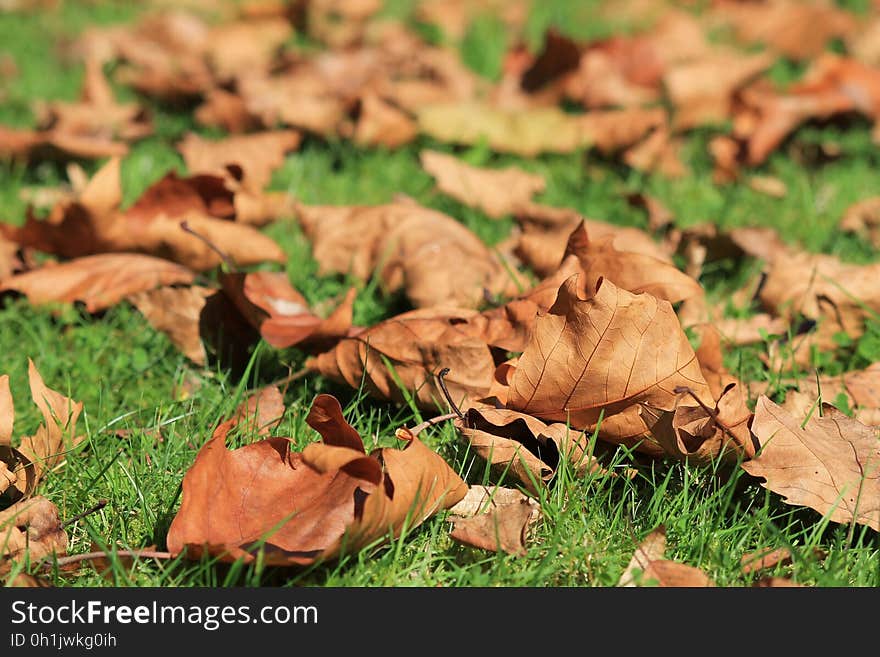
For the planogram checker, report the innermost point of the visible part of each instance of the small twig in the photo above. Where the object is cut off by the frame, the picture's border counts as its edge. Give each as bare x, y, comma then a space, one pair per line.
220, 252
91, 556
442, 373
416, 430
79, 516
290, 378
712, 413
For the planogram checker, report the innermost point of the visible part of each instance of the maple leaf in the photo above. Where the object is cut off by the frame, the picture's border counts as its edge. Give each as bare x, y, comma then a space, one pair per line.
258, 155
435, 259
546, 231
648, 566
591, 361
22, 468
281, 314
523, 446
495, 192
30, 529
799, 30
177, 312
831, 463
495, 519
98, 281
152, 225
634, 272
331, 498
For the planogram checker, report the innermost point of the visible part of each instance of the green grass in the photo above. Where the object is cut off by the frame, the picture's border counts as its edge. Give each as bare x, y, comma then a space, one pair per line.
131, 378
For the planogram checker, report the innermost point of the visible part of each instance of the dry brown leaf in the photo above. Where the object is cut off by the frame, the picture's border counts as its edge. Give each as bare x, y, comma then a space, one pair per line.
763, 559
330, 499
832, 464
281, 314
258, 155
98, 281
833, 85
821, 287
659, 153
648, 567
634, 272
435, 259
57, 435
380, 123
652, 548
223, 109
523, 446
528, 132
496, 192
864, 218
177, 311
702, 90
794, 28
546, 230
749, 330
30, 529
96, 126
768, 185
95, 224
592, 362
500, 521
861, 388
261, 412
702, 434
417, 346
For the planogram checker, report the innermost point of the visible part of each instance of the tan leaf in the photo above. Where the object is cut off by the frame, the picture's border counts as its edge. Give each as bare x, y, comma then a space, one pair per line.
864, 218
177, 311
833, 85
302, 507
7, 411
502, 526
821, 286
634, 272
763, 559
435, 259
660, 152
799, 30
57, 435
652, 548
226, 110
98, 281
30, 529
258, 155
546, 231
528, 132
648, 567
402, 356
702, 434
152, 225
523, 446
702, 90
496, 192
596, 359
382, 124
831, 465
768, 185
261, 412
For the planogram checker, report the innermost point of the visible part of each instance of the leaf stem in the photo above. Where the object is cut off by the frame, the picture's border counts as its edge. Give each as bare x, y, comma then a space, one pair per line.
82, 514
416, 430
440, 376
102, 554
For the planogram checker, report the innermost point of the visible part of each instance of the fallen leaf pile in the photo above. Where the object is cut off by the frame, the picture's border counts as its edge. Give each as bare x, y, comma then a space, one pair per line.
573, 336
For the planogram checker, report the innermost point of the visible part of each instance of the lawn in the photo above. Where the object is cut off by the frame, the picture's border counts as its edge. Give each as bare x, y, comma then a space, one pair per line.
133, 381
